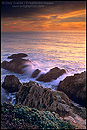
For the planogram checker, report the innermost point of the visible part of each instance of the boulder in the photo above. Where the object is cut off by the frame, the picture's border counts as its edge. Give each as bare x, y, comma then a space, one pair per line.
11, 83
35, 73
16, 65
32, 95
19, 55
75, 87
54, 73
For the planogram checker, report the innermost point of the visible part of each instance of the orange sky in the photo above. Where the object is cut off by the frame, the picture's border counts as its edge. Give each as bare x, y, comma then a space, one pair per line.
72, 19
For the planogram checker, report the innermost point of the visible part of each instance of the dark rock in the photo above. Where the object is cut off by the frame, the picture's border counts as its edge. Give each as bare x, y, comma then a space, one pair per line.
75, 87
19, 55
52, 74
16, 65
5, 64
32, 95
35, 73
11, 83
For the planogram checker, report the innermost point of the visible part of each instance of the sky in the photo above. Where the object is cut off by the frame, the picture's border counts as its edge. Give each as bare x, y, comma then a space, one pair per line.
42, 15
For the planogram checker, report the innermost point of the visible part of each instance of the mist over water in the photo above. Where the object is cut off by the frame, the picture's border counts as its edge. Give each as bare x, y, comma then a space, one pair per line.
46, 50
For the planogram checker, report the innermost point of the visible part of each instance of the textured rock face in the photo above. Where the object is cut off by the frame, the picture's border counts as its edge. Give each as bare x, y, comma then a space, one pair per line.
17, 64
44, 99
11, 83
35, 96
52, 74
75, 87
19, 55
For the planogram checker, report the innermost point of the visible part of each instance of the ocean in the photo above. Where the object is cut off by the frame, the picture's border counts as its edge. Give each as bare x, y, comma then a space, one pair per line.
46, 50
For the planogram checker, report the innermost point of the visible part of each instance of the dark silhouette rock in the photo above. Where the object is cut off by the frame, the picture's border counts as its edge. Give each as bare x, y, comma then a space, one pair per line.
35, 73
16, 65
54, 73
19, 55
75, 87
11, 83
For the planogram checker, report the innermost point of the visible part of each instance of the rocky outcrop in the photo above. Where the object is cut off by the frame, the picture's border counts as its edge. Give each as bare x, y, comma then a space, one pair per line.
35, 96
35, 73
75, 87
17, 64
11, 83
32, 97
19, 55
54, 73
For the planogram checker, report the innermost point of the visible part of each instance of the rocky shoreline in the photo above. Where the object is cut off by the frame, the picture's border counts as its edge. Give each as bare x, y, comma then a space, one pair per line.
43, 108
75, 87
33, 95
19, 65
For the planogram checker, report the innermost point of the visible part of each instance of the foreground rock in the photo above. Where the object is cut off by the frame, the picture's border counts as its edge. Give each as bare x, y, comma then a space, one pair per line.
35, 96
44, 99
22, 117
54, 73
17, 64
11, 83
75, 87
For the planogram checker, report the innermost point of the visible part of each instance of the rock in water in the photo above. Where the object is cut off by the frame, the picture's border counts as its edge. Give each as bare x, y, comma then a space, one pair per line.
35, 73
17, 64
75, 87
19, 55
11, 83
54, 73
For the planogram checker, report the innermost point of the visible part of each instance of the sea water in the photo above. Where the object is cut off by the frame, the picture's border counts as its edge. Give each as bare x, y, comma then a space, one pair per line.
46, 50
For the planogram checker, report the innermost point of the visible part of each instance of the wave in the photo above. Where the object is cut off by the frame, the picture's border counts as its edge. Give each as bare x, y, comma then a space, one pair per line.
26, 77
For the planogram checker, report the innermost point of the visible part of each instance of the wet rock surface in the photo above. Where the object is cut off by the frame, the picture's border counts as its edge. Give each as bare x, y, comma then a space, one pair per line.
17, 64
35, 73
11, 83
54, 73
75, 88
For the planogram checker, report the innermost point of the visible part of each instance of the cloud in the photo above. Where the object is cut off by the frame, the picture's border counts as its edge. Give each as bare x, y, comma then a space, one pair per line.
52, 16
13, 9
73, 19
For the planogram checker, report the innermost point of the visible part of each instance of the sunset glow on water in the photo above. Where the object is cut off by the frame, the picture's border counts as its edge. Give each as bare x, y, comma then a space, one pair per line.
63, 49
